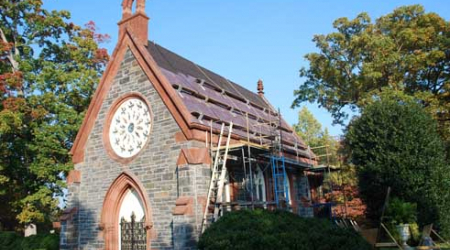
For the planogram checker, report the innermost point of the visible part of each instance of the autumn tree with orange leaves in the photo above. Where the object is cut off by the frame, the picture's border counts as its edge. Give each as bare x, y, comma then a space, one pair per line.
49, 68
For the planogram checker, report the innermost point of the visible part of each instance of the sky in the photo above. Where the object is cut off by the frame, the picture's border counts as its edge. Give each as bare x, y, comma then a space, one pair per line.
243, 40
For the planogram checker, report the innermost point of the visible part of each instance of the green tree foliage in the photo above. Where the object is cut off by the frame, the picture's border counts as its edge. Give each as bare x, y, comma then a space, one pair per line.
407, 50
48, 71
262, 229
319, 140
395, 144
308, 127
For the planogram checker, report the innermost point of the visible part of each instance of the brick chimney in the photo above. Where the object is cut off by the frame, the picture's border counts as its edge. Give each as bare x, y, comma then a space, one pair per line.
260, 88
136, 22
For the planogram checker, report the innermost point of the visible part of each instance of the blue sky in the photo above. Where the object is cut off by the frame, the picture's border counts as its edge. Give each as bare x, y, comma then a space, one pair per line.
243, 40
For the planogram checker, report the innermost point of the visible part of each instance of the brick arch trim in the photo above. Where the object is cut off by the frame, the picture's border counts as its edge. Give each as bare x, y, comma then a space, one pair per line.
111, 208
127, 6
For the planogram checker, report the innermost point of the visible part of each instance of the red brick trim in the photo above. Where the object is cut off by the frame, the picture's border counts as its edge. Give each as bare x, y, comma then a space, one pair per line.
160, 83
201, 201
74, 176
107, 124
77, 150
138, 23
193, 156
68, 214
109, 222
184, 206
56, 225
127, 6
164, 88
179, 137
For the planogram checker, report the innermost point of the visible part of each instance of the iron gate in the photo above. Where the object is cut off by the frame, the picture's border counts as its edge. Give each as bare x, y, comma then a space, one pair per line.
133, 234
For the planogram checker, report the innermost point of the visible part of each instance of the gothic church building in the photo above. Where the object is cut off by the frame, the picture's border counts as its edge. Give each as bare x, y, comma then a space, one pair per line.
145, 152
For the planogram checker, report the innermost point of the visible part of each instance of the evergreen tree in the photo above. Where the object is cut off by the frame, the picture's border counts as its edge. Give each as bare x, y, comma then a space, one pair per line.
395, 144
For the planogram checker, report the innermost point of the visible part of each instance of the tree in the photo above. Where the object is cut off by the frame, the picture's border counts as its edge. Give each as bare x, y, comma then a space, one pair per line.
321, 142
407, 50
329, 149
48, 71
308, 127
395, 144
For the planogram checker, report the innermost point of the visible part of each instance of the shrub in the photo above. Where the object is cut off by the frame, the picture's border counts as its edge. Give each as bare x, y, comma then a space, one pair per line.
395, 143
14, 241
41, 241
400, 212
261, 229
10, 240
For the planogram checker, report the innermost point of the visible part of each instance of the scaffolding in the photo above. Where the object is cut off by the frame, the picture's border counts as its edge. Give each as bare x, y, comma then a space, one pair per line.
324, 170
249, 155
260, 147
279, 181
214, 104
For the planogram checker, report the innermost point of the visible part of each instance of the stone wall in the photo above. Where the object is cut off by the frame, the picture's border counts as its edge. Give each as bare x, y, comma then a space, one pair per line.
194, 182
303, 190
156, 168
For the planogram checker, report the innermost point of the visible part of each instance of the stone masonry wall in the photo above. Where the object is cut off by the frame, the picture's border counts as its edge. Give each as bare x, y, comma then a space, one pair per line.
304, 191
194, 182
69, 226
155, 167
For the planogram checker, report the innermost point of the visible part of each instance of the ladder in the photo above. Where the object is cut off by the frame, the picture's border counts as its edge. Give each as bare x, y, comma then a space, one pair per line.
217, 182
280, 184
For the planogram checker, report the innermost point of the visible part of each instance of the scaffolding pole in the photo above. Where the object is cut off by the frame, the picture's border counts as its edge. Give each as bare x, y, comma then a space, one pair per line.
249, 163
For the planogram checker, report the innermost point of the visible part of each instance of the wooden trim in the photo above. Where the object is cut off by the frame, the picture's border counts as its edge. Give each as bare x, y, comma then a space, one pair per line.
111, 208
110, 115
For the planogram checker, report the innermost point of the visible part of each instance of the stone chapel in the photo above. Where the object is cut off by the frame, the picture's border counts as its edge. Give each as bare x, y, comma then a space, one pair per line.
161, 136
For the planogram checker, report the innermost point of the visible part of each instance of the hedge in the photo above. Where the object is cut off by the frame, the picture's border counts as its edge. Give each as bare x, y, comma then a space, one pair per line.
262, 229
14, 241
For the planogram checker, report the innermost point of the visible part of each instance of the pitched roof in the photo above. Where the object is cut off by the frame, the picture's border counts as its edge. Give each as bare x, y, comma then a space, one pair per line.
212, 99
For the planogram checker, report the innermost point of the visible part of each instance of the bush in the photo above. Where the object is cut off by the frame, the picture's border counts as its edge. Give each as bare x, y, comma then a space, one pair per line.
14, 241
10, 240
261, 229
395, 144
400, 212
41, 241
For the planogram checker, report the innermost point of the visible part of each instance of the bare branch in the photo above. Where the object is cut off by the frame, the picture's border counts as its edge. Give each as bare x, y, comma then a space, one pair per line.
14, 63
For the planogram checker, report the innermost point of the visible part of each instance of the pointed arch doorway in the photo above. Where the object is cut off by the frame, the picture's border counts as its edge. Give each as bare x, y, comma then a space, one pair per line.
126, 218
